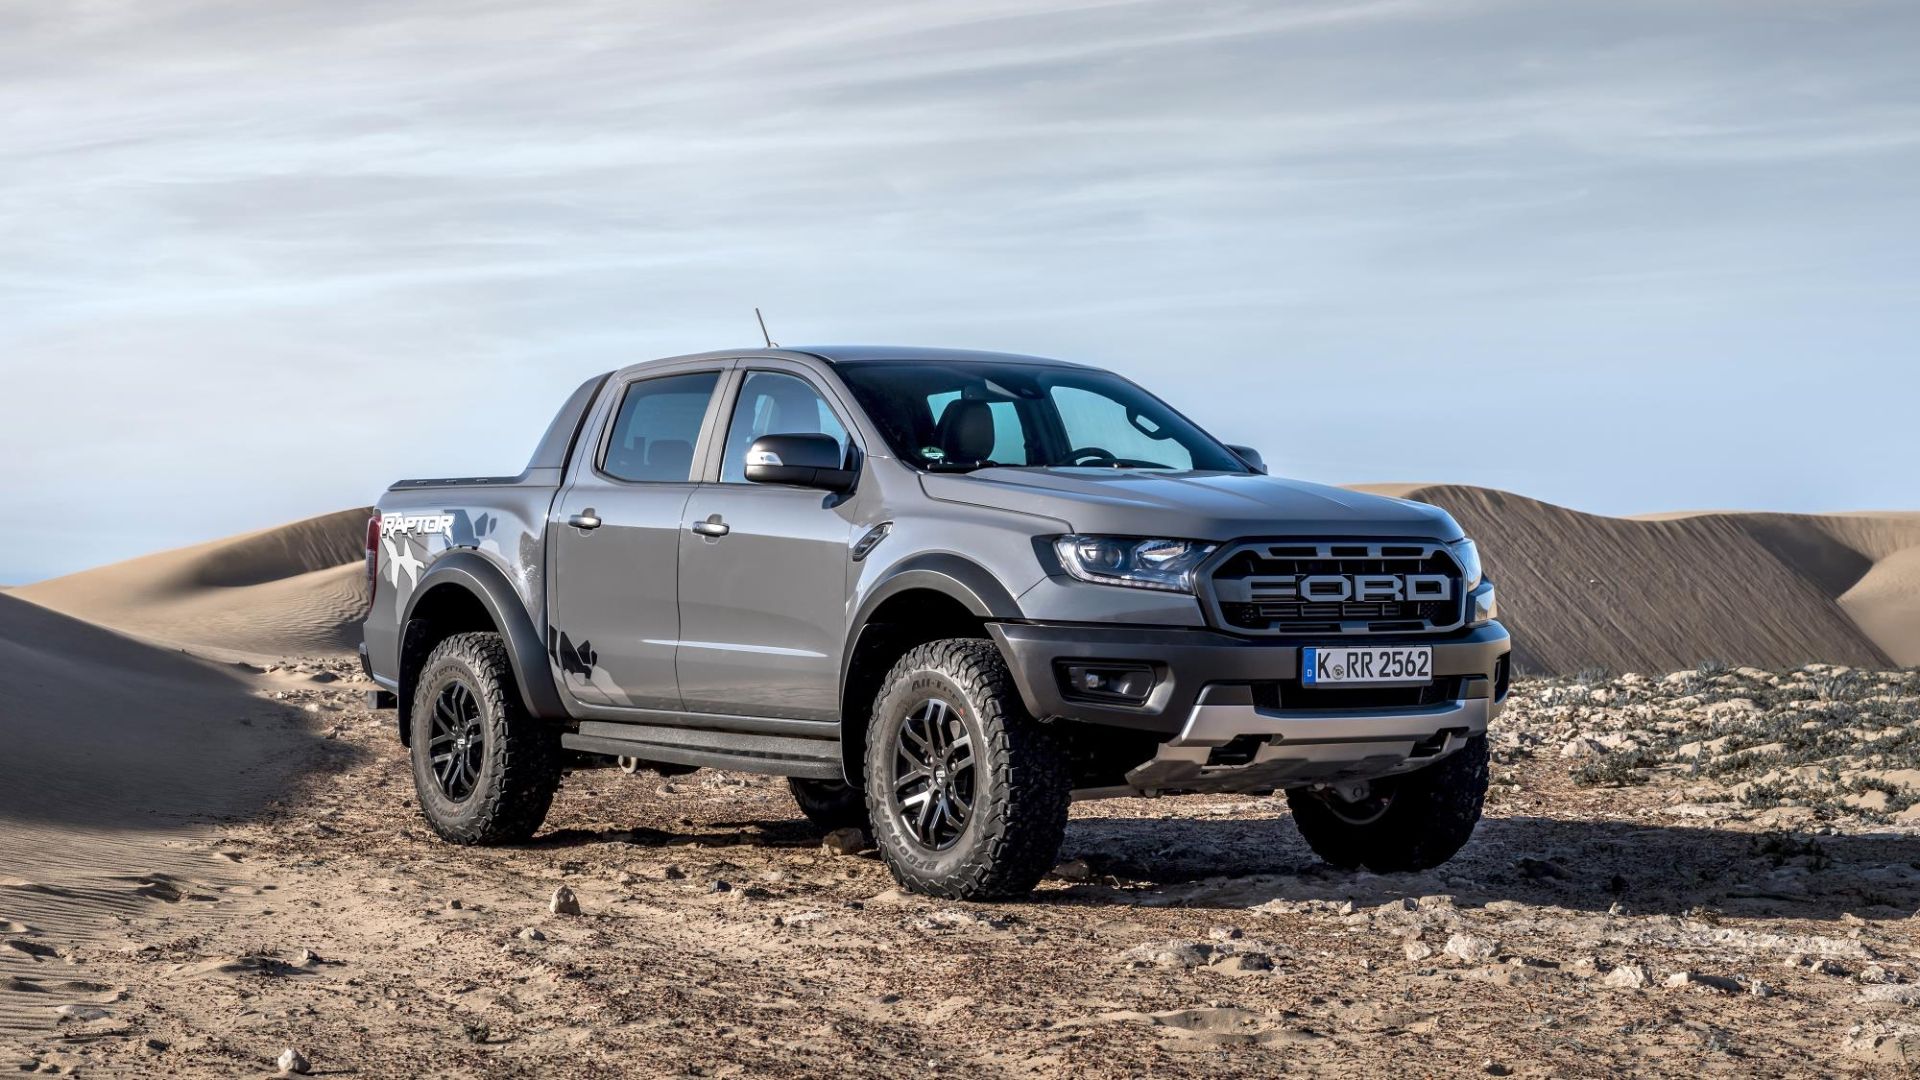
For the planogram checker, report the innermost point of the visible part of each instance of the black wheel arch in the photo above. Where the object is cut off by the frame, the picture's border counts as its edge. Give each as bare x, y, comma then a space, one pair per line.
960, 595
460, 582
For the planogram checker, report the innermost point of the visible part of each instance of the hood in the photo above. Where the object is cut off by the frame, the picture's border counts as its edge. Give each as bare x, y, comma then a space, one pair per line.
1191, 505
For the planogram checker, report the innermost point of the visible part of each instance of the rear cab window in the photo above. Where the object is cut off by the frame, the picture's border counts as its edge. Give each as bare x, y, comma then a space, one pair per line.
657, 428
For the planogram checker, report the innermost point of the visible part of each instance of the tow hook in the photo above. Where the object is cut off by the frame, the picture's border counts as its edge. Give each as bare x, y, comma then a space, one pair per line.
1353, 791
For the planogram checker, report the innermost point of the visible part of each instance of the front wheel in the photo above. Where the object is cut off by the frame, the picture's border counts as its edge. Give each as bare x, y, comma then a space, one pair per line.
967, 793
485, 769
1406, 823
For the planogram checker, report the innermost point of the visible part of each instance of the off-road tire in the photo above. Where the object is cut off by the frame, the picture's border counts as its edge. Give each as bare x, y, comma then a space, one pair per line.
1021, 784
830, 804
520, 767
1430, 816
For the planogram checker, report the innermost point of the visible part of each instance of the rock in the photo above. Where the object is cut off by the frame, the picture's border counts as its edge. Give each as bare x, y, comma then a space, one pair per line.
307, 958
563, 902
1168, 954
1074, 870
293, 1062
1627, 977
1874, 974
1582, 748
1897, 994
1244, 963
1416, 951
1685, 980
1819, 965
1760, 990
1225, 933
531, 934
1470, 948
81, 1013
1542, 869
672, 873
844, 842
1494, 1068
720, 885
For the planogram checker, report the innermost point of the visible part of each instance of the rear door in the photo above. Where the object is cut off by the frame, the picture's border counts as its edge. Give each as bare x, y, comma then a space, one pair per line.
763, 605
614, 539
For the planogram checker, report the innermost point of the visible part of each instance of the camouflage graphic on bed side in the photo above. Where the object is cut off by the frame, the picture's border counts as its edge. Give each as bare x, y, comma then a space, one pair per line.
413, 539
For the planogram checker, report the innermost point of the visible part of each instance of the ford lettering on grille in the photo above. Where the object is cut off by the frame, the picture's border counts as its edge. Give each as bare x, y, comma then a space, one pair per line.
1322, 587
1362, 587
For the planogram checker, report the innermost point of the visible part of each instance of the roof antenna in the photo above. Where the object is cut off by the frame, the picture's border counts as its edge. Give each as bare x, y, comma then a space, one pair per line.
763, 329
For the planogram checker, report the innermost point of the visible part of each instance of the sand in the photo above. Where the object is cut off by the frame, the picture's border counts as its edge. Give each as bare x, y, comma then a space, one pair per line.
293, 589
118, 758
1658, 593
203, 862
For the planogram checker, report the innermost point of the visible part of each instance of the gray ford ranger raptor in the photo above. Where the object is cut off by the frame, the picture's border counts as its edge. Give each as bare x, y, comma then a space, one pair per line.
945, 593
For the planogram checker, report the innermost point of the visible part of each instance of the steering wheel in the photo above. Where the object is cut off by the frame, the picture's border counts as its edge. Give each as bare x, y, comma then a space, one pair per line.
1098, 456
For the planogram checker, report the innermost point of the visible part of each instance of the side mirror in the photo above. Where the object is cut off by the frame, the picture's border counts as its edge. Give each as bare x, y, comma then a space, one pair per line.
813, 461
1249, 455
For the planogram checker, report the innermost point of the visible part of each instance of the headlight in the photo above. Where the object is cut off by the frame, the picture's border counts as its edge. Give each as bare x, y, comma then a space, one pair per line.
1132, 561
1482, 606
1467, 554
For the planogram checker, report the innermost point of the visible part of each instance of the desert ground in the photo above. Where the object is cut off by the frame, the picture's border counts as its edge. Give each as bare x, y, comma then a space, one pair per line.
1701, 854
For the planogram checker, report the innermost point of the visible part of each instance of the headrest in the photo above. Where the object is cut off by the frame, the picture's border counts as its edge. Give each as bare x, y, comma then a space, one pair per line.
670, 456
965, 432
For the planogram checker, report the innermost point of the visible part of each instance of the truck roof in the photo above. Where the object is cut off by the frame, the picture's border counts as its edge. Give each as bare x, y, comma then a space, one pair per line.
853, 354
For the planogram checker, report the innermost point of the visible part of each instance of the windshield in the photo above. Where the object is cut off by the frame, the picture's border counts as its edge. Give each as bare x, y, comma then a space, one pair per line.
959, 416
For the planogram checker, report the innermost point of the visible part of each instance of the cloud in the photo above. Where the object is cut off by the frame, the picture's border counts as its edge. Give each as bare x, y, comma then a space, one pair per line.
253, 239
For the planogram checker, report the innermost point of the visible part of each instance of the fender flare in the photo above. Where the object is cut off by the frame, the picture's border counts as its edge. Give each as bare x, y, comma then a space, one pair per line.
953, 576
470, 571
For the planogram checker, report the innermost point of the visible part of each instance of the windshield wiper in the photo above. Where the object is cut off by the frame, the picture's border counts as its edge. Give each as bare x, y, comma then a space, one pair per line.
958, 466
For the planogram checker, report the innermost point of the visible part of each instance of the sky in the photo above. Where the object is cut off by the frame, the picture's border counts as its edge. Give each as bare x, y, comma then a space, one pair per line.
259, 260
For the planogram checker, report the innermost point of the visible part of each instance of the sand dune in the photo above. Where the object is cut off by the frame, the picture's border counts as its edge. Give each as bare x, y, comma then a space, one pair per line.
293, 590
116, 754
1658, 593
1579, 590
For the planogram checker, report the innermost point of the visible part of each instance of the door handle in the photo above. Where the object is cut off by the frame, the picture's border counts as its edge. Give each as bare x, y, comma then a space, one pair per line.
712, 527
585, 519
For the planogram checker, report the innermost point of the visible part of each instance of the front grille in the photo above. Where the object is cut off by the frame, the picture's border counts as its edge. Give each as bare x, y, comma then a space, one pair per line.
1256, 588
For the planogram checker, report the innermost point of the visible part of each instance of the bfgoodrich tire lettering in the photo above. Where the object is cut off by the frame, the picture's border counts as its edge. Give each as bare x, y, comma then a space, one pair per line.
1018, 790
505, 794
1427, 816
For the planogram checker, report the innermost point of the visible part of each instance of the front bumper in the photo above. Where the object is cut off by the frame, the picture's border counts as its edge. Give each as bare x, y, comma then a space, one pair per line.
1231, 714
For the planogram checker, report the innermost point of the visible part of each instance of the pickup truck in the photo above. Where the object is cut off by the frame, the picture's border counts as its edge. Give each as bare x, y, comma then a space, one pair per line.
945, 593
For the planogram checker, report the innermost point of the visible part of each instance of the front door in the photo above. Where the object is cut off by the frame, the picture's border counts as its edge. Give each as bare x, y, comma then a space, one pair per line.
763, 570
615, 545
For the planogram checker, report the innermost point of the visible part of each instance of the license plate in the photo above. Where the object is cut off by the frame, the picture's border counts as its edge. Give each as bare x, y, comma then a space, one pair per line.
1369, 665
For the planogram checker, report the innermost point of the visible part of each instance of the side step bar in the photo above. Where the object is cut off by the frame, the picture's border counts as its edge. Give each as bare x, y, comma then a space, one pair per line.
778, 755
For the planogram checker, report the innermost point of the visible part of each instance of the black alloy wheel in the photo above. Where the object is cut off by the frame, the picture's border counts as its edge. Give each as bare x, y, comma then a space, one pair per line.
457, 744
934, 777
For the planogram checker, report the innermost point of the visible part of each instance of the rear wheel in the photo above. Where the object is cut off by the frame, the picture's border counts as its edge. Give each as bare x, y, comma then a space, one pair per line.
484, 769
967, 793
830, 804
1404, 823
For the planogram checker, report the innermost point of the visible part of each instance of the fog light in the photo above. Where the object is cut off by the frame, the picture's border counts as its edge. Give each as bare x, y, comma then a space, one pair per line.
1125, 683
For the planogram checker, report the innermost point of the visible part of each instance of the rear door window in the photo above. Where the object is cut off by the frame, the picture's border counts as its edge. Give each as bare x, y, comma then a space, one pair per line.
657, 428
